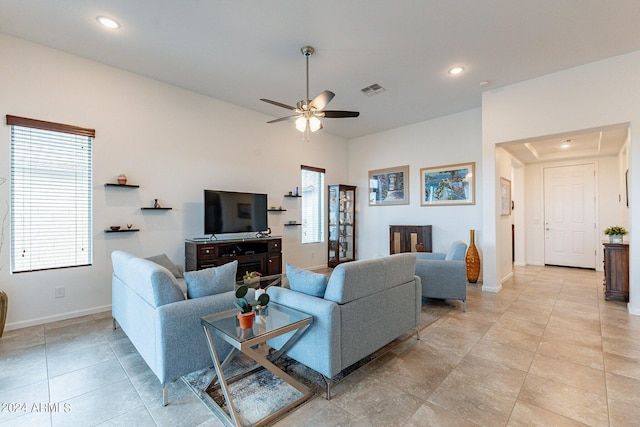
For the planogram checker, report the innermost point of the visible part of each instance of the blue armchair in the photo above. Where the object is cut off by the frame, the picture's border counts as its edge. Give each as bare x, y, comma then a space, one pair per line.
444, 276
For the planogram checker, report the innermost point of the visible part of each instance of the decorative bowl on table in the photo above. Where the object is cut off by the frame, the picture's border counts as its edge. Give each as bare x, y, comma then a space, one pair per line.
115, 227
251, 278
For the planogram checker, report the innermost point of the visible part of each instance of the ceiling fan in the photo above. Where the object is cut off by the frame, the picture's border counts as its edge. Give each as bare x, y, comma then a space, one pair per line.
308, 112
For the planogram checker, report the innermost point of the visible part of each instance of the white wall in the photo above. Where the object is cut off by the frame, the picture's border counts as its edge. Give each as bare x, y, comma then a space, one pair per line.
504, 168
520, 199
173, 143
607, 203
594, 95
446, 140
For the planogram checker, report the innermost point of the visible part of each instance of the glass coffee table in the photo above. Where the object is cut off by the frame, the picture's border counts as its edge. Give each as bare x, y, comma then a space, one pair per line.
264, 282
276, 320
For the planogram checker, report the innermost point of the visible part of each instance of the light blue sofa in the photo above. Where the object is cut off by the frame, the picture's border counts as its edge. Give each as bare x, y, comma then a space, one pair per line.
366, 305
444, 275
149, 303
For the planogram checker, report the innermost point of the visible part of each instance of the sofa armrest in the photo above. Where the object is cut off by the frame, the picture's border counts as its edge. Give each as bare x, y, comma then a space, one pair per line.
319, 346
443, 279
181, 346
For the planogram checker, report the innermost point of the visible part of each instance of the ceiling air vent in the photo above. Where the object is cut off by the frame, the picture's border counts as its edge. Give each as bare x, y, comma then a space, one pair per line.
373, 89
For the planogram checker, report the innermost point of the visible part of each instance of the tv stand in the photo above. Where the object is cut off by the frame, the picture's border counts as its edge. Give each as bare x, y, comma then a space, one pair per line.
263, 255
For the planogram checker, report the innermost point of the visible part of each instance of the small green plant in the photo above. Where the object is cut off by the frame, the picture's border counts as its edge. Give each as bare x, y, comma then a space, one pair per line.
615, 230
246, 306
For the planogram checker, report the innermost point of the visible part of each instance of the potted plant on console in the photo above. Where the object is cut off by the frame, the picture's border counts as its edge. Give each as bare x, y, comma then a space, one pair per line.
615, 233
246, 315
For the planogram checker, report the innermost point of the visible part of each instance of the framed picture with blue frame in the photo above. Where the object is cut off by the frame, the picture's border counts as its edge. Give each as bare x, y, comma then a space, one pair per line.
448, 185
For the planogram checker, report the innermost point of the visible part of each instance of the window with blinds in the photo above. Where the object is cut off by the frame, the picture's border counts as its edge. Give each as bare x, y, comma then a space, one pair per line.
312, 204
50, 195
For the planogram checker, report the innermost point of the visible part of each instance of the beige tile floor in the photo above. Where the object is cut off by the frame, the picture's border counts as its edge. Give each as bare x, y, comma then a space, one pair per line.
548, 350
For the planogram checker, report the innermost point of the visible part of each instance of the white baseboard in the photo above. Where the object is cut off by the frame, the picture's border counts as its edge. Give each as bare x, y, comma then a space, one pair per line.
56, 318
520, 264
494, 289
633, 310
507, 277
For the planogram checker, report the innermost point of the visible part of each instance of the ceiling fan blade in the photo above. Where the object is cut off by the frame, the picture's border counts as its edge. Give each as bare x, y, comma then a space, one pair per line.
338, 114
281, 119
321, 101
279, 104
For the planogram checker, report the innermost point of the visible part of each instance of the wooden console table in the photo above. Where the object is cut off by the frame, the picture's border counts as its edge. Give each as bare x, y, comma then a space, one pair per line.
261, 254
616, 271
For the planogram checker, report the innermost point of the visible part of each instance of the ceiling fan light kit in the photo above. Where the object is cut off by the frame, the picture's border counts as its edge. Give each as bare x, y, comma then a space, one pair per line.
308, 112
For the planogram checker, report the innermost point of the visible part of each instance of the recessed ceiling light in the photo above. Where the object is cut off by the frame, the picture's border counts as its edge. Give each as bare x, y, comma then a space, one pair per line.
456, 70
108, 22
566, 143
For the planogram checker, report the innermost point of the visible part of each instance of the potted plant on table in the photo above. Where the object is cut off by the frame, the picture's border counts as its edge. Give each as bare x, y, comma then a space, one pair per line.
246, 315
615, 233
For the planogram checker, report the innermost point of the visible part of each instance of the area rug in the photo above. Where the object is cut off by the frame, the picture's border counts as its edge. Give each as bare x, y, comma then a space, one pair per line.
263, 393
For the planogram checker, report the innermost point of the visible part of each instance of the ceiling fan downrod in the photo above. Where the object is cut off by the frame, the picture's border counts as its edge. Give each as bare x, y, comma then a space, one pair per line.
307, 51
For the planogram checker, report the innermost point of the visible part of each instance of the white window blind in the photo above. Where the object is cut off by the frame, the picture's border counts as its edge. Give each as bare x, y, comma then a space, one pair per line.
312, 204
50, 195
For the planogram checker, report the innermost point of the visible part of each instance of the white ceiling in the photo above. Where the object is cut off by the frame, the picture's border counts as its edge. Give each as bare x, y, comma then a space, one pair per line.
588, 143
243, 50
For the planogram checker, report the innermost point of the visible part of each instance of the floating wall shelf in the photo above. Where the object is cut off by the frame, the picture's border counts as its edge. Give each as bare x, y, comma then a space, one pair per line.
291, 195
122, 230
155, 209
109, 184
276, 210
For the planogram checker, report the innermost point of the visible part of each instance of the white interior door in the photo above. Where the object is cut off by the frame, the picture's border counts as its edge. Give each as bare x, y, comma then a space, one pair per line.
569, 214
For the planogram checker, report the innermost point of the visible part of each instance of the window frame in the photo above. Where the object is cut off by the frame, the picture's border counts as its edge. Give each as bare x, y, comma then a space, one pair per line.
81, 199
319, 229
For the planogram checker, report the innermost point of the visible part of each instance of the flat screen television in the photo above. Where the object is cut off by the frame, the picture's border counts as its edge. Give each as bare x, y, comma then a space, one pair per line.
234, 212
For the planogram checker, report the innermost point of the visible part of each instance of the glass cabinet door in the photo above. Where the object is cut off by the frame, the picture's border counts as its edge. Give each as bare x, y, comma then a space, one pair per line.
342, 224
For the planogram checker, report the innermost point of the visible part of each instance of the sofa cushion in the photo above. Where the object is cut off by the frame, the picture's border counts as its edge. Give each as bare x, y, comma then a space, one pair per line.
165, 288
164, 261
456, 252
211, 281
306, 281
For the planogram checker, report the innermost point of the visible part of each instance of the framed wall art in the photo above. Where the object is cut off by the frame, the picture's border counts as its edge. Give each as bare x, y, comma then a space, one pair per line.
505, 196
389, 186
448, 185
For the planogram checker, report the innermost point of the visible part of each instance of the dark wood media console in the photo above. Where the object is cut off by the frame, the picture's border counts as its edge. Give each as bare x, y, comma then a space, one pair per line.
262, 254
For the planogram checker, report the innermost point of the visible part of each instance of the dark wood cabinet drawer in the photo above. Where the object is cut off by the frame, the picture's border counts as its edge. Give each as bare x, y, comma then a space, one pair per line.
275, 245
207, 252
274, 264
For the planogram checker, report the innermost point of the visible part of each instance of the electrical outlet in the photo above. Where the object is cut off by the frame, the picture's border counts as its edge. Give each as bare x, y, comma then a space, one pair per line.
60, 292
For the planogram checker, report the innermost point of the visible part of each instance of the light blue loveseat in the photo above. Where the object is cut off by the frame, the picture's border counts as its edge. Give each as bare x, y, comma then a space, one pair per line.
150, 306
366, 305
